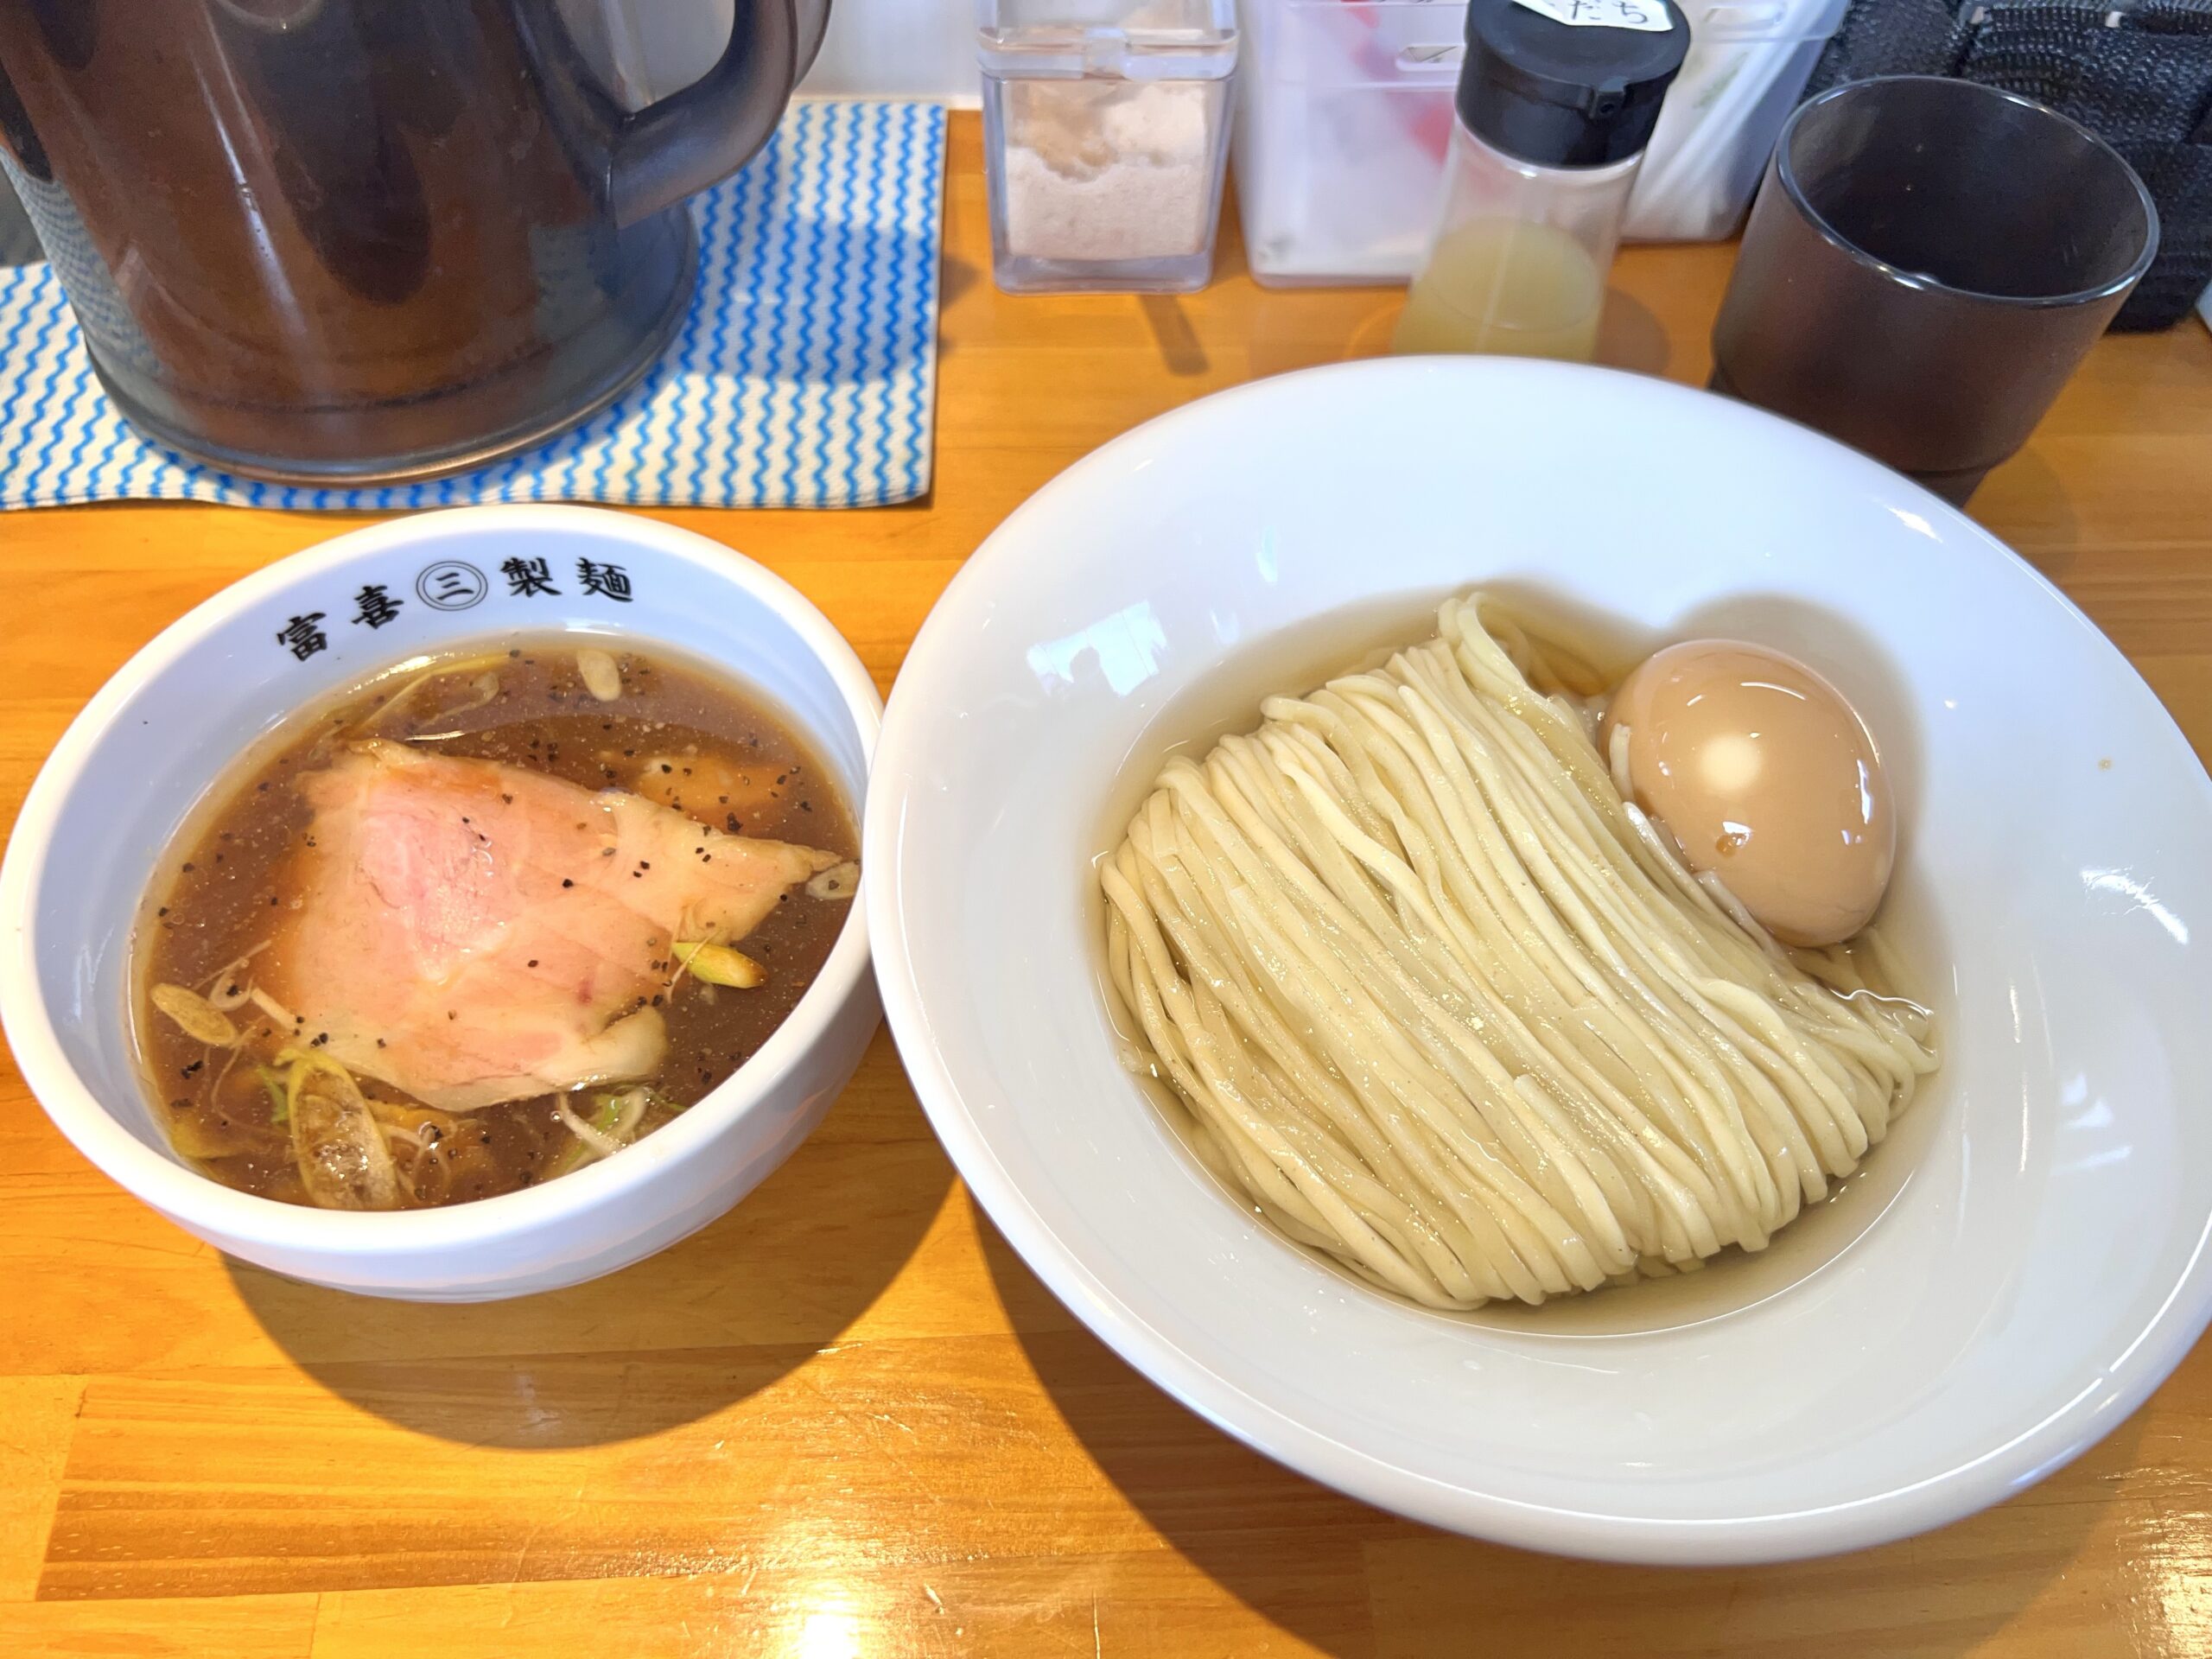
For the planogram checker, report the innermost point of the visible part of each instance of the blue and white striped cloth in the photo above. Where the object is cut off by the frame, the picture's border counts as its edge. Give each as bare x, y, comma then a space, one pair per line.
806, 375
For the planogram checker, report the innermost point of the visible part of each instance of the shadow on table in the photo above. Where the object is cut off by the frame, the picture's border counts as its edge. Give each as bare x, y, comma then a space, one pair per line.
677, 1337
1631, 336
2026, 503
1348, 1578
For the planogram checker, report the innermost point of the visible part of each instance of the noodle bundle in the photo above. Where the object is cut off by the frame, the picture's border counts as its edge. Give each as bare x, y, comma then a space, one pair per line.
1444, 1005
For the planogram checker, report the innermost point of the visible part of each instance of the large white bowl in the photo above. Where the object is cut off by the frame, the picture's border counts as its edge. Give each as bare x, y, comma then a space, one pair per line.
2017, 1269
130, 769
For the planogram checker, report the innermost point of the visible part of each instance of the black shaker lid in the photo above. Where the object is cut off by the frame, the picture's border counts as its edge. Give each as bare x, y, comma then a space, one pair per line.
1568, 94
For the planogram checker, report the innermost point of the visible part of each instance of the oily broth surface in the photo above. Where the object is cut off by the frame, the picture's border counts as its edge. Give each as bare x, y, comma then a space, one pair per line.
216, 892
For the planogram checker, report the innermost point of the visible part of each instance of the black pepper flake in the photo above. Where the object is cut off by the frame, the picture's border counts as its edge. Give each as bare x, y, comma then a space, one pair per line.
566, 882
321, 1038
163, 911
509, 799
607, 852
530, 1178
187, 868
450, 1014
261, 789
532, 962
645, 864
190, 1069
179, 1105
657, 1001
379, 1042
806, 806
665, 767
730, 818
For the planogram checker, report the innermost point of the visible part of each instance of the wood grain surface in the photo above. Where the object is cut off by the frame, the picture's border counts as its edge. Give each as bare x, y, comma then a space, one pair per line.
845, 1421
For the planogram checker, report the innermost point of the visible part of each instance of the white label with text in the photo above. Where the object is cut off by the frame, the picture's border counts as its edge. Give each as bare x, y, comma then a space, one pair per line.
1650, 16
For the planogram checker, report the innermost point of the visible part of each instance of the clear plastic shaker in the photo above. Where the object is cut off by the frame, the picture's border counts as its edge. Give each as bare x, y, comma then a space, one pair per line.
1553, 118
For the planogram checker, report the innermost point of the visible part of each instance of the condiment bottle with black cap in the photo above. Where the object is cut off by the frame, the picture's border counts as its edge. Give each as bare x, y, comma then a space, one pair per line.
1556, 102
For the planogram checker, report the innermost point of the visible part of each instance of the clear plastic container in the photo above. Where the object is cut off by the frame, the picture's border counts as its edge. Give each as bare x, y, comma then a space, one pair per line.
1747, 68
1105, 133
1342, 126
1518, 262
1344, 117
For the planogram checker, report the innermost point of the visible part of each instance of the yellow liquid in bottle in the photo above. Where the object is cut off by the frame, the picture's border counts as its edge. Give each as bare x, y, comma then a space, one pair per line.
1505, 286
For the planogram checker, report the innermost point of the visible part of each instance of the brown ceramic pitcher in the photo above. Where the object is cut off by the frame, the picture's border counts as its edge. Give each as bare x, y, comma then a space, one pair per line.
356, 241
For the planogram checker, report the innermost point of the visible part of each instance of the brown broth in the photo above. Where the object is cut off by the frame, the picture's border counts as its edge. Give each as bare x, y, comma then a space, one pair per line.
691, 739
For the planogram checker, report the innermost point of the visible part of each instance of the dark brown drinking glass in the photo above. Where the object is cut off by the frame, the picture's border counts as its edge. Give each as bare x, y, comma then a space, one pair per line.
1926, 264
354, 241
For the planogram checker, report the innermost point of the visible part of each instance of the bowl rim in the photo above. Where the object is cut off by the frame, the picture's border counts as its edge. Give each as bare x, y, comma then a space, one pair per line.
206, 1206
1986, 1479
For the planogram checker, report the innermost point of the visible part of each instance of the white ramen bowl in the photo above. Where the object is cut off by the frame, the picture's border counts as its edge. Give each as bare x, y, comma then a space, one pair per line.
177, 717
2017, 1269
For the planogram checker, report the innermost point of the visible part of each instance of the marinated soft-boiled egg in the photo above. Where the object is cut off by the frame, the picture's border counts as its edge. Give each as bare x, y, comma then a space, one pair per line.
1763, 775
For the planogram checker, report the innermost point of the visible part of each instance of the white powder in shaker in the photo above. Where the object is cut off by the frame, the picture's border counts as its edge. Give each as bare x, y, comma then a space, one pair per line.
1107, 170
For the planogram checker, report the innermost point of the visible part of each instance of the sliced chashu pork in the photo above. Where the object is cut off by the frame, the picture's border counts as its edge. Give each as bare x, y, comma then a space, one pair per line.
470, 932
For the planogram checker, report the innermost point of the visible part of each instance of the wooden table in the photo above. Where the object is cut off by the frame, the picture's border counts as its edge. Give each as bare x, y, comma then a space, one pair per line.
845, 1421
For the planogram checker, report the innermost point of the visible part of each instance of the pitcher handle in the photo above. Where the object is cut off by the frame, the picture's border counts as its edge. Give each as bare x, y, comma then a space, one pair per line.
679, 145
